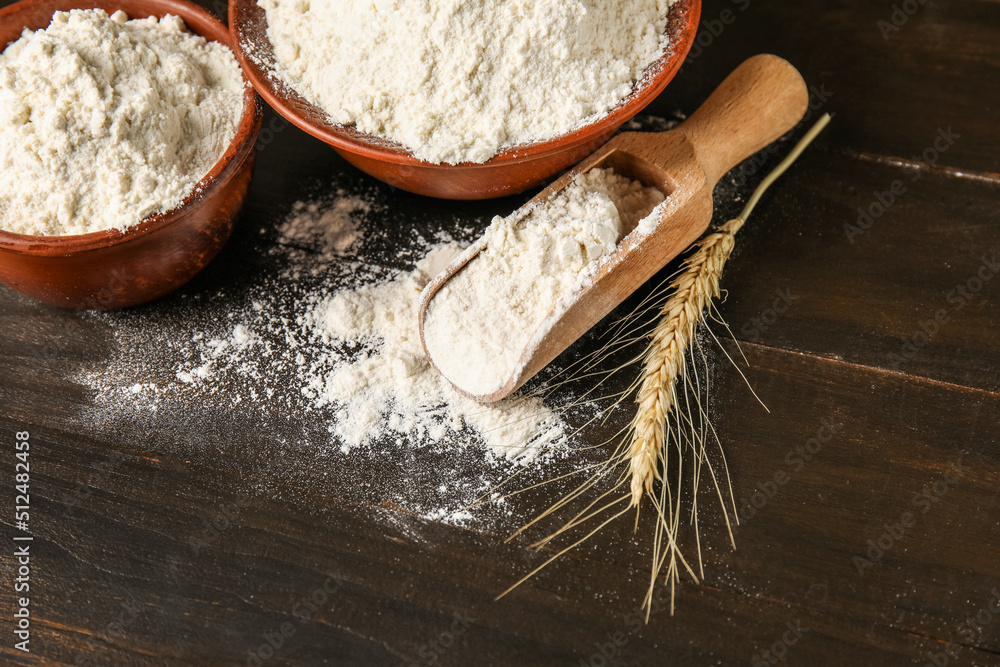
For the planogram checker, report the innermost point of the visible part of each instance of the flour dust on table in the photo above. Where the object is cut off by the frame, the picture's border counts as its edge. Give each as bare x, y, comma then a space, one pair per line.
287, 353
330, 337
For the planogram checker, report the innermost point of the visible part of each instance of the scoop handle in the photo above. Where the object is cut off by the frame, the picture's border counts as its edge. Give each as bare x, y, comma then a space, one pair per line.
761, 100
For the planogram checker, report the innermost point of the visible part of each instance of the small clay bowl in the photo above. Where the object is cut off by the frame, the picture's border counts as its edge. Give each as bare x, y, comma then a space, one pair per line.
114, 269
509, 172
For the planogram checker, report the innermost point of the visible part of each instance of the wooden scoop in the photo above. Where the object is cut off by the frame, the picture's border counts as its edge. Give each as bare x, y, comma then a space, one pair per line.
762, 100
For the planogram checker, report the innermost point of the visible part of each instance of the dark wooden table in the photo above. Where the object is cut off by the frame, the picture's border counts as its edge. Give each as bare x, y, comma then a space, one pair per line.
882, 546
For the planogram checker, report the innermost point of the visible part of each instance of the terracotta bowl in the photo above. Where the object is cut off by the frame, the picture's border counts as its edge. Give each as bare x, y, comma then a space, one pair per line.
115, 269
509, 172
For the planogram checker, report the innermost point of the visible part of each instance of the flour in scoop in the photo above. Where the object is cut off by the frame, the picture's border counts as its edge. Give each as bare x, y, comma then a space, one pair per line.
481, 320
106, 121
459, 80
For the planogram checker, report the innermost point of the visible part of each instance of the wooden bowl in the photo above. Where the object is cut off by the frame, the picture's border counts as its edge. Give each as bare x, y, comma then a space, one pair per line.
509, 172
115, 269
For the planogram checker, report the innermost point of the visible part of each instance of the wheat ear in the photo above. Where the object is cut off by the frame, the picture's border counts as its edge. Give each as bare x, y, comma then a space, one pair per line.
664, 360
640, 456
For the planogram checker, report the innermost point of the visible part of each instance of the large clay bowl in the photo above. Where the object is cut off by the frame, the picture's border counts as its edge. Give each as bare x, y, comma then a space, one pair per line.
511, 171
115, 269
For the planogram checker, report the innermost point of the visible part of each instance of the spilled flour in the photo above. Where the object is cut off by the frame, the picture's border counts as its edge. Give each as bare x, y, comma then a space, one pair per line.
328, 337
367, 362
334, 224
390, 385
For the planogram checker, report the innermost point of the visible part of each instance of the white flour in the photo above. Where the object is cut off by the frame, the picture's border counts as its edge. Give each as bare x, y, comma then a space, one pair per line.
105, 121
333, 224
459, 80
481, 320
223, 374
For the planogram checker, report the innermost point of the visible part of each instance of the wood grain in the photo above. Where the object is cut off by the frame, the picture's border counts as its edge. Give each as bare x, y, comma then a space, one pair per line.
128, 570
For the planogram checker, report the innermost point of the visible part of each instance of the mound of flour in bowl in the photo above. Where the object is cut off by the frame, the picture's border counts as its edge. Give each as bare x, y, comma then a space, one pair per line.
459, 80
106, 121
480, 321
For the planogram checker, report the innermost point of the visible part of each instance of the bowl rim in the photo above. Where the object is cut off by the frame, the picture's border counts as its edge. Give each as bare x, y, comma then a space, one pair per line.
291, 104
198, 21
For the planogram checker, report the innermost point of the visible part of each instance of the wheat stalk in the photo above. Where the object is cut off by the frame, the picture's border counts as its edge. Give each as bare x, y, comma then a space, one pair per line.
693, 292
664, 360
665, 367
670, 409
